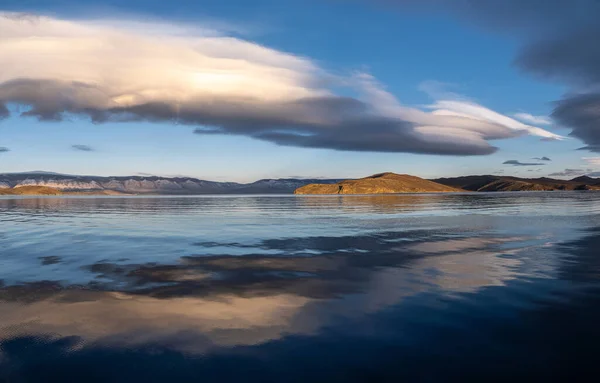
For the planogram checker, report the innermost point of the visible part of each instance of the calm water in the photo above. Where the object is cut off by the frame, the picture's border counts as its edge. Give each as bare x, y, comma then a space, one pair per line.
300, 289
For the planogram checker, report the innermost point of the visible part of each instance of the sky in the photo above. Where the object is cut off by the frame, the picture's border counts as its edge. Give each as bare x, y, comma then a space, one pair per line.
241, 90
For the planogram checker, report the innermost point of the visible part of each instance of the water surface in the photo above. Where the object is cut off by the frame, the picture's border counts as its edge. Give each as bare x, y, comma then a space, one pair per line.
447, 287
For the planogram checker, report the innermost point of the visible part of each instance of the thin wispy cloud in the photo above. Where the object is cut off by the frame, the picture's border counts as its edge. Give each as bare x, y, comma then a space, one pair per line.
143, 174
531, 119
593, 161
519, 163
441, 90
82, 148
4, 149
478, 112
131, 71
541, 158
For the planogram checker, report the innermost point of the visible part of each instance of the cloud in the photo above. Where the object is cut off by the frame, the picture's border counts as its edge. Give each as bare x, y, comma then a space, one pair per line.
570, 54
541, 158
534, 18
569, 173
559, 42
4, 149
531, 119
464, 109
582, 113
83, 148
119, 72
593, 161
439, 90
519, 163
3, 111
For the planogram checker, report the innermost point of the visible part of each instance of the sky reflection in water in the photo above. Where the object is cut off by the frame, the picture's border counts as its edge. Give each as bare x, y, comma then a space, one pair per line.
252, 288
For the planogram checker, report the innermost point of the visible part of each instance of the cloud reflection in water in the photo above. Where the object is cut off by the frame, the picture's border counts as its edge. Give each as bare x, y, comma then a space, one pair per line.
356, 276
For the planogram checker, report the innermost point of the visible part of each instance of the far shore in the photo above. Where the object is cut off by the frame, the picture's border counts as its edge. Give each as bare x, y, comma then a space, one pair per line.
54, 184
48, 191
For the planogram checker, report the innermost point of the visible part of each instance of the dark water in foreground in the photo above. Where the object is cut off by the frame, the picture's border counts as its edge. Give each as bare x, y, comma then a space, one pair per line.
487, 287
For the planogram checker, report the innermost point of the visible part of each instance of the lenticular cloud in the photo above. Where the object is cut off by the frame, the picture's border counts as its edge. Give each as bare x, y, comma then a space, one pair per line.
223, 85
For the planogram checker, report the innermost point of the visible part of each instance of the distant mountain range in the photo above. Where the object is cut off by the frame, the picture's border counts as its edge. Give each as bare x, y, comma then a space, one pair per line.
151, 184
190, 186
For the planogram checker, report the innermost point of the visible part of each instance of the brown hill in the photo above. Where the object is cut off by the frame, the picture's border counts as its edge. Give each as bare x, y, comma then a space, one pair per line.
30, 190
488, 183
384, 183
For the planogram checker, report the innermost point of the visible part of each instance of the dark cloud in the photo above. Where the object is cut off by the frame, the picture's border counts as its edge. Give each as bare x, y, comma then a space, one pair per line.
83, 148
375, 135
519, 163
582, 113
352, 128
4, 149
48, 99
572, 56
559, 42
568, 173
534, 17
541, 158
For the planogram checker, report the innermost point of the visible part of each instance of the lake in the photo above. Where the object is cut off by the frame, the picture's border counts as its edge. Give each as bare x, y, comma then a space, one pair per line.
388, 288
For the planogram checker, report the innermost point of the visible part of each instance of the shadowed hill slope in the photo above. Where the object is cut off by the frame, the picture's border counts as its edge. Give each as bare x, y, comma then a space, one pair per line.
489, 183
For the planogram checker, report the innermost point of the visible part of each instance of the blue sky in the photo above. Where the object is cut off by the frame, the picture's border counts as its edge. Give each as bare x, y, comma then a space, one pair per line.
402, 48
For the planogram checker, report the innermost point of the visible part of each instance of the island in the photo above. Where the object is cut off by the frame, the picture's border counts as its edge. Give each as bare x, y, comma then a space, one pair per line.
382, 183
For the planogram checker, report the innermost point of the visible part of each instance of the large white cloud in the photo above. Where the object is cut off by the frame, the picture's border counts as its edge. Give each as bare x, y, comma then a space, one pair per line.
122, 71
